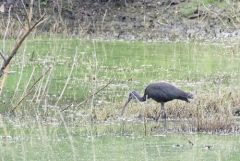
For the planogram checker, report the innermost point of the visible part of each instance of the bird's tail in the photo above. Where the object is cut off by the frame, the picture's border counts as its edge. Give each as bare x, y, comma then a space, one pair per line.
190, 96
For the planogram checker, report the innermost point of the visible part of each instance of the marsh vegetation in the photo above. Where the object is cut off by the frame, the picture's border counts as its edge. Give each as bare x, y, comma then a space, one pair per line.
61, 95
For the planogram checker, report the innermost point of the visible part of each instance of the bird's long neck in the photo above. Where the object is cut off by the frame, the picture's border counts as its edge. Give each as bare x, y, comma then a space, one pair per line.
141, 99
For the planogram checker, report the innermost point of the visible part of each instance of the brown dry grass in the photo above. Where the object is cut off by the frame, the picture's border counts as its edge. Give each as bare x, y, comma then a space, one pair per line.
208, 112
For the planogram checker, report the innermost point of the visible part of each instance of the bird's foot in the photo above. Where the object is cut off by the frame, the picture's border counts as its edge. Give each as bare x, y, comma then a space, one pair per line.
164, 115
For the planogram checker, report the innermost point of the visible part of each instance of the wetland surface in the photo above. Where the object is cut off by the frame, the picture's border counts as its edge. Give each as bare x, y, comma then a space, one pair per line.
78, 68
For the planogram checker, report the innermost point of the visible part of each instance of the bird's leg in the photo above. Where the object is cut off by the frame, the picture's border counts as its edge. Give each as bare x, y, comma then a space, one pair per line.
163, 114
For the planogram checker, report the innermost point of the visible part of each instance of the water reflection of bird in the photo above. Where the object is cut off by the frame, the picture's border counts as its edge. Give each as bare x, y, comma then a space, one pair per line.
161, 92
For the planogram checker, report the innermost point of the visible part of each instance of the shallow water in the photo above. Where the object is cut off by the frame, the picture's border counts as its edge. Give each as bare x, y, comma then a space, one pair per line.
104, 142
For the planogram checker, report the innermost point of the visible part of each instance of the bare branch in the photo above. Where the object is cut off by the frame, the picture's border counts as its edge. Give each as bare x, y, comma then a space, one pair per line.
90, 96
19, 43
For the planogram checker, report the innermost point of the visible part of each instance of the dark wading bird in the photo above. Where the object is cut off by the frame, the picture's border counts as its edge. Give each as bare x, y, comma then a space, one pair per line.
161, 92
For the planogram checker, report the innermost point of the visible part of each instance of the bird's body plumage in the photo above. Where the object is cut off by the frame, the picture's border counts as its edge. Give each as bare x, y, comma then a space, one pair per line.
163, 92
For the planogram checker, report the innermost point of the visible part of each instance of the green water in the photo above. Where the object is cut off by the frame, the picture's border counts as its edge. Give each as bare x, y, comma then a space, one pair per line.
55, 144
132, 65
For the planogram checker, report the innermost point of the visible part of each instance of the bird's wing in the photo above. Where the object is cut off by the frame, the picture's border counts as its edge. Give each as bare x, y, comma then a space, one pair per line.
174, 92
165, 91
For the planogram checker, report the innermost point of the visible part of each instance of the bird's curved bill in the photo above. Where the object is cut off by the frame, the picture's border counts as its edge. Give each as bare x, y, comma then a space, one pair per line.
125, 105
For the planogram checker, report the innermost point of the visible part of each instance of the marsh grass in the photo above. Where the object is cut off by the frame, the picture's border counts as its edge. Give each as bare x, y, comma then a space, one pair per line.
208, 112
60, 23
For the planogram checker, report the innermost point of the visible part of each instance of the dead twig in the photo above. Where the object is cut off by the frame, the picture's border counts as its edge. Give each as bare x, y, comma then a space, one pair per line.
29, 91
68, 79
189, 141
3, 57
27, 15
90, 96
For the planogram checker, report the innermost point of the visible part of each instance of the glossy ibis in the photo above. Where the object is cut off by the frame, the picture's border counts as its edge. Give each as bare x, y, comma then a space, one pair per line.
161, 92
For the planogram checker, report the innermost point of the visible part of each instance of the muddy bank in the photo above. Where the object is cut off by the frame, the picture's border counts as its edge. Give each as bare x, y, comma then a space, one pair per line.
135, 20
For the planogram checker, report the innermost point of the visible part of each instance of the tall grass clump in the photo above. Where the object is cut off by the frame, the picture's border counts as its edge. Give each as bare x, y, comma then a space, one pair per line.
208, 112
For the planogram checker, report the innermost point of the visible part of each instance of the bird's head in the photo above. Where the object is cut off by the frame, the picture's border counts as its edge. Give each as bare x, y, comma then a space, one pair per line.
190, 96
132, 95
